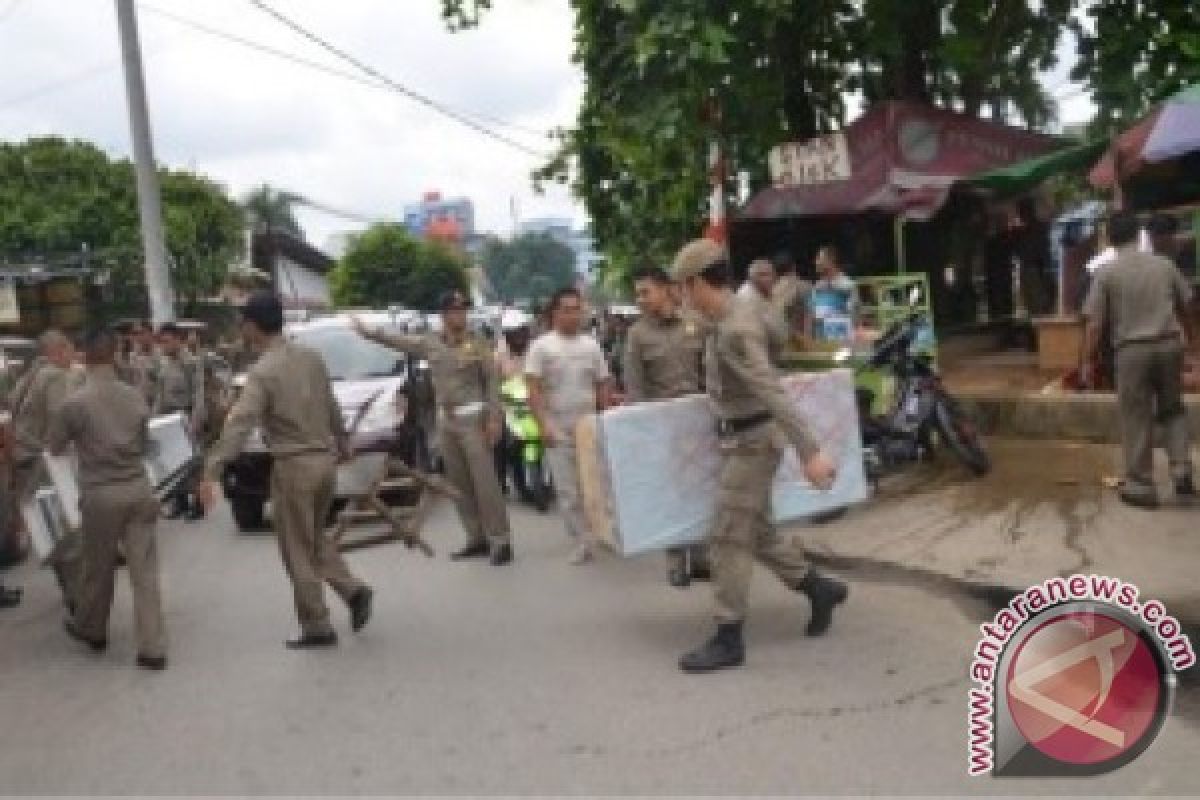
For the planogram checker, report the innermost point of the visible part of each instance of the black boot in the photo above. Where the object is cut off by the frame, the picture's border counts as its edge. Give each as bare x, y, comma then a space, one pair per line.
1185, 486
478, 549
311, 640
678, 577
195, 509
825, 594
502, 554
9, 598
360, 608
723, 650
178, 507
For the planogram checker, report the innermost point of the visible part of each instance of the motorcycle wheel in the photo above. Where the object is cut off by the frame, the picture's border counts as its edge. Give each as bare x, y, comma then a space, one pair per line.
960, 436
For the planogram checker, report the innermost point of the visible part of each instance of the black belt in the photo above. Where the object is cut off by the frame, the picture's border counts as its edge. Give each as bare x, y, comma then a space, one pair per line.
732, 427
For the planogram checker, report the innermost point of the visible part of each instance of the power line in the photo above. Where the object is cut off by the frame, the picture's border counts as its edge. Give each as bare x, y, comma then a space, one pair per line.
305, 62
412, 94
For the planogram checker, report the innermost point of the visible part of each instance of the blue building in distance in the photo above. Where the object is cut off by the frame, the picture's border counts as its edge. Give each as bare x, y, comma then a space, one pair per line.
418, 217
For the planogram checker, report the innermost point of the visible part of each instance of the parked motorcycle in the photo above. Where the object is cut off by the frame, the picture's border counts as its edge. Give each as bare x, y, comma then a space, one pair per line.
521, 451
922, 414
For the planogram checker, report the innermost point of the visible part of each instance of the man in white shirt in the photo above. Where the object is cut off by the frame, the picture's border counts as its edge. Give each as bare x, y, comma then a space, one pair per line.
568, 379
760, 282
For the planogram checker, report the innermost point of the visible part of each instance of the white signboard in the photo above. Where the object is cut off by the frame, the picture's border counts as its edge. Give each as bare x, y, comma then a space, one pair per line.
821, 160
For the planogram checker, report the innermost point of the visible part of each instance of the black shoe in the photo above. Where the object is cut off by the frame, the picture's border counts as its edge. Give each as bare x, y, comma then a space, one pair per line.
502, 554
312, 640
679, 577
360, 608
9, 598
473, 550
702, 573
825, 594
156, 663
97, 645
1185, 487
195, 513
1147, 502
723, 650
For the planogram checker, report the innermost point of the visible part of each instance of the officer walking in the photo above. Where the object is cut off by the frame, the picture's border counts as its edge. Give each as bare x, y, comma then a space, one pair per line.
288, 393
469, 425
36, 400
106, 420
1143, 298
754, 415
663, 360
179, 388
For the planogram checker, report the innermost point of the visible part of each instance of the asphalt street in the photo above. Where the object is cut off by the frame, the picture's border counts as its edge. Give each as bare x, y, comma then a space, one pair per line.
537, 678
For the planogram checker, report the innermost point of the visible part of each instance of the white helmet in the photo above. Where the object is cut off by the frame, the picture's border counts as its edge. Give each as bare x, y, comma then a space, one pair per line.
514, 319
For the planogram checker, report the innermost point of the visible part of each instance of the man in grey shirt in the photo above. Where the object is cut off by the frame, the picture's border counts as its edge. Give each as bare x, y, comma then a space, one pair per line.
1144, 299
568, 379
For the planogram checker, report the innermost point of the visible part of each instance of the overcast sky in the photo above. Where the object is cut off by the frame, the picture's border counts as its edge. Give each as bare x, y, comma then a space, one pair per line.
245, 118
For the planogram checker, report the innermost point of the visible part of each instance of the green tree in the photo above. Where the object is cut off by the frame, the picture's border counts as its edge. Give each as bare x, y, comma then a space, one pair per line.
531, 265
1134, 54
59, 198
268, 209
386, 265
665, 79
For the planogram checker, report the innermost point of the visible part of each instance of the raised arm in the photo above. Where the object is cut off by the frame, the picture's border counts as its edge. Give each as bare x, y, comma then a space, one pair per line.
246, 414
414, 344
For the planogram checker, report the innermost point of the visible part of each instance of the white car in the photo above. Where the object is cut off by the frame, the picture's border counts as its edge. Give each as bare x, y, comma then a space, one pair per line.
386, 399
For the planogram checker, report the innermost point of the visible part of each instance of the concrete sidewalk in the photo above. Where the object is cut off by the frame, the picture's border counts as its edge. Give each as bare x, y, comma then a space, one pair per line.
1043, 511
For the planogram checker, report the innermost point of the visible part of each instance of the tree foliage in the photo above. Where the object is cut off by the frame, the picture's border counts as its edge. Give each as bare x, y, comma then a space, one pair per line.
1134, 54
386, 265
269, 209
665, 79
533, 265
59, 198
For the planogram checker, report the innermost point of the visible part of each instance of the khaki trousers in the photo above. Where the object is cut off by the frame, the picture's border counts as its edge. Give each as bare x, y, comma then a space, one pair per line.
1149, 390
471, 468
563, 460
302, 489
123, 513
743, 531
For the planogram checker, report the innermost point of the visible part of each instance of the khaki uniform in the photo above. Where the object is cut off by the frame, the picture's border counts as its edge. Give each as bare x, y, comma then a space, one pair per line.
288, 393
36, 402
140, 370
467, 388
179, 387
106, 421
757, 419
1137, 295
664, 360
789, 301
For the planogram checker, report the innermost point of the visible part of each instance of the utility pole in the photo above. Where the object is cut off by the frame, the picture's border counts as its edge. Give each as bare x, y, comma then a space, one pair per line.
158, 279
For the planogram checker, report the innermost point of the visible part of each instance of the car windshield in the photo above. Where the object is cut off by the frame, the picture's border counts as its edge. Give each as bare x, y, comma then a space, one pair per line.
348, 356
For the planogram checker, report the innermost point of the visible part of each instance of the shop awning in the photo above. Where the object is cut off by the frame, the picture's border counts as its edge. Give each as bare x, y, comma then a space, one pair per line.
1021, 177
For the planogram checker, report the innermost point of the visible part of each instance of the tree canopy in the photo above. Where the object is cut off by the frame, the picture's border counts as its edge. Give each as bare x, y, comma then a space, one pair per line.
531, 266
1134, 54
269, 209
665, 79
386, 265
60, 198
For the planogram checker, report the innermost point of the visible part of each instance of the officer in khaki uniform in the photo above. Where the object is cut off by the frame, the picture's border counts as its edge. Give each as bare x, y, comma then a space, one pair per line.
467, 387
179, 388
106, 420
755, 419
35, 402
288, 393
663, 360
1143, 298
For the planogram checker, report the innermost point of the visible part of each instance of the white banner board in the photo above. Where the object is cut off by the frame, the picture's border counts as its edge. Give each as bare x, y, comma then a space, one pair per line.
823, 159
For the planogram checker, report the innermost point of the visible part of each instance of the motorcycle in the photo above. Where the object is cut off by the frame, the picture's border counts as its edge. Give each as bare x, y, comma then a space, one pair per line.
521, 450
922, 411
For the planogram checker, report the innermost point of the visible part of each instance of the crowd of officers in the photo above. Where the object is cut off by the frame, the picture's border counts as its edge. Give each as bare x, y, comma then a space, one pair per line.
694, 335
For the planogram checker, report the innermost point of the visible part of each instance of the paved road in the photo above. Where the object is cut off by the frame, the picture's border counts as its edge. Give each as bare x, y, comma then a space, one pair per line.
537, 678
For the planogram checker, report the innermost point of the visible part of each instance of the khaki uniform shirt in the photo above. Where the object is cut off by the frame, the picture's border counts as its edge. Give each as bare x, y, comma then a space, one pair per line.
789, 300
140, 370
664, 357
741, 379
1138, 295
180, 386
37, 399
288, 393
464, 373
106, 420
